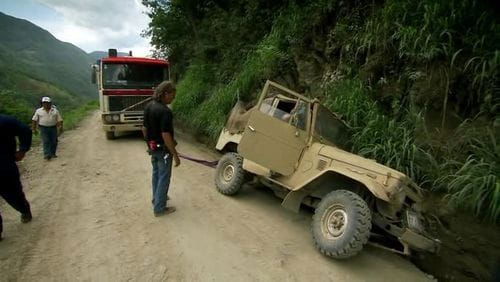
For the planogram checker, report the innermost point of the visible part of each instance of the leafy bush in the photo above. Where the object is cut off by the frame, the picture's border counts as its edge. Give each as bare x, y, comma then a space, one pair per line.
376, 135
12, 106
73, 117
386, 66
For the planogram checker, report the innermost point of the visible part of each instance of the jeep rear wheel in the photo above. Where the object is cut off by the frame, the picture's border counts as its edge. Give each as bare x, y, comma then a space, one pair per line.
341, 224
230, 175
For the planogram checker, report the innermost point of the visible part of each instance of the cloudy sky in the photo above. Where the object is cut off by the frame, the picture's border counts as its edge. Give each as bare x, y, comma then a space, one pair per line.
89, 24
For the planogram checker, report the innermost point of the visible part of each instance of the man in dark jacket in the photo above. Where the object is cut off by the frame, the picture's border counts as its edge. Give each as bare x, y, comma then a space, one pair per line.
158, 131
11, 188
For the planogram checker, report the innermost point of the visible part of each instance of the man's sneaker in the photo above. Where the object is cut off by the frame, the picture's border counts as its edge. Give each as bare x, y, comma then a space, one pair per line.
26, 217
165, 212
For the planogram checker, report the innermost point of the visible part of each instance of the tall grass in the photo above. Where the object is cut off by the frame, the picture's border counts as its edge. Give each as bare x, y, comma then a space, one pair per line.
75, 116
444, 51
470, 172
462, 33
203, 102
461, 39
467, 168
375, 134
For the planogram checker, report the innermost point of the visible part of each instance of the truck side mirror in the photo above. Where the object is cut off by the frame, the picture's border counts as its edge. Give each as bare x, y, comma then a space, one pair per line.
93, 75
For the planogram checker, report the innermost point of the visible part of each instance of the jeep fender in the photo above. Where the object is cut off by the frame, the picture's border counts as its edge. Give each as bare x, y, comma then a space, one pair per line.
295, 197
378, 190
226, 138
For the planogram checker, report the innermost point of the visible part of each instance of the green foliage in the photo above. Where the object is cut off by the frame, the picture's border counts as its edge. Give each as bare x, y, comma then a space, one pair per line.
21, 91
73, 117
34, 64
376, 135
207, 113
463, 35
29, 50
386, 65
10, 105
470, 171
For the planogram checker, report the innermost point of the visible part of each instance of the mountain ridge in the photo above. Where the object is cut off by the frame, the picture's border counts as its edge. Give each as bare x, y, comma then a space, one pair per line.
31, 49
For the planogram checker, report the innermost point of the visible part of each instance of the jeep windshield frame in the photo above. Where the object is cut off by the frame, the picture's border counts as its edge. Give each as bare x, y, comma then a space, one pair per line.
330, 129
274, 95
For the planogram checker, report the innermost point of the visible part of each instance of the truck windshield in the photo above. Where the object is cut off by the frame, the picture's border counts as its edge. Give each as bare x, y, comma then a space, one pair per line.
133, 75
331, 129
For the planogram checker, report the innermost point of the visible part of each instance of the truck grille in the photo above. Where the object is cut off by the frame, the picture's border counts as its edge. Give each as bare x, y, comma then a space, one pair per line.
120, 103
127, 118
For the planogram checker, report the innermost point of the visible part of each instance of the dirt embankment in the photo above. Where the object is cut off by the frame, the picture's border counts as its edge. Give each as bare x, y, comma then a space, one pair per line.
93, 221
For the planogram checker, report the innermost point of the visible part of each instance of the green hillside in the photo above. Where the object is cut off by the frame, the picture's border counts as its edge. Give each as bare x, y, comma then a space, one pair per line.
29, 49
33, 63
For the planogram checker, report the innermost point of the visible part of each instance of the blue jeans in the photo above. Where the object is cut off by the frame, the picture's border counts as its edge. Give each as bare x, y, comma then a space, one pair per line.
162, 171
49, 139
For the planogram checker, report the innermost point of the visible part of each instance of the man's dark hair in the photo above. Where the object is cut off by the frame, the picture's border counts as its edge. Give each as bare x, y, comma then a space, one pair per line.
166, 87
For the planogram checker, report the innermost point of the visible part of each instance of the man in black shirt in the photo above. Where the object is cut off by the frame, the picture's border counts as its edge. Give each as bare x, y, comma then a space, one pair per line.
11, 188
158, 131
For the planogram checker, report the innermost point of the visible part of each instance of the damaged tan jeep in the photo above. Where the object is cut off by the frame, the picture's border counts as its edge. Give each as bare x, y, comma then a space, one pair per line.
299, 149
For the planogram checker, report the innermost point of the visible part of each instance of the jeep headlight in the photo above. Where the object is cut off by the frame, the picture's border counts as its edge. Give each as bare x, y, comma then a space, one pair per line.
414, 221
116, 118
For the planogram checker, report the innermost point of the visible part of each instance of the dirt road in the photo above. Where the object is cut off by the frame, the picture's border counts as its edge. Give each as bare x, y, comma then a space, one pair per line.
93, 220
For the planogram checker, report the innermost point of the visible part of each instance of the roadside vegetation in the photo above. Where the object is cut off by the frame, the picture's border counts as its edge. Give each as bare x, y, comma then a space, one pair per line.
12, 105
73, 117
416, 80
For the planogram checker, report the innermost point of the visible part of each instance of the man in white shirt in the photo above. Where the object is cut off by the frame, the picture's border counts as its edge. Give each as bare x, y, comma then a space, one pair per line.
49, 120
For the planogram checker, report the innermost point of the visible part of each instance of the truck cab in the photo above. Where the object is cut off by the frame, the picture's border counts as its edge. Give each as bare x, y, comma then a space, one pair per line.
126, 85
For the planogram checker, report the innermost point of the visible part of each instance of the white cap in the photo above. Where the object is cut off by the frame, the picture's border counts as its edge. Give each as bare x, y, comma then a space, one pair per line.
46, 99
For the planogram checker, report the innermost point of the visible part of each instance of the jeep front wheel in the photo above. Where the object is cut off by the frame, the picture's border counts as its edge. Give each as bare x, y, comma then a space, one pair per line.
230, 175
341, 224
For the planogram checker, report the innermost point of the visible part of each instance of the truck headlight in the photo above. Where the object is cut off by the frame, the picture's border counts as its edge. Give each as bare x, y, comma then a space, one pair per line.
116, 118
108, 118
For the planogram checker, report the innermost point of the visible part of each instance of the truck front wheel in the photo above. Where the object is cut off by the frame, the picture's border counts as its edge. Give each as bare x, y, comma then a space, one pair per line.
230, 175
110, 135
341, 224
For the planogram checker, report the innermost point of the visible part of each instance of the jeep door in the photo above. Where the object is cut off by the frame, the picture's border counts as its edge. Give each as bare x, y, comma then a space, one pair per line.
277, 132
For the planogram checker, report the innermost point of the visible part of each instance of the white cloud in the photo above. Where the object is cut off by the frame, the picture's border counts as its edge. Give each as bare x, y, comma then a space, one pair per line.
99, 25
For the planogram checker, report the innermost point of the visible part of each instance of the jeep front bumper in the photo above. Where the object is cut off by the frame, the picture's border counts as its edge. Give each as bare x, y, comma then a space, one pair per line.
414, 240
409, 232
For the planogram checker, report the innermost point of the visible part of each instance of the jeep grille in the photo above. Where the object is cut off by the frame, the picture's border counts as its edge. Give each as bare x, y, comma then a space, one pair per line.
321, 165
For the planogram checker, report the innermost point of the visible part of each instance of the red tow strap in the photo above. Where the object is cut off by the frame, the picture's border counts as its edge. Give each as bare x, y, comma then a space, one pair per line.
211, 164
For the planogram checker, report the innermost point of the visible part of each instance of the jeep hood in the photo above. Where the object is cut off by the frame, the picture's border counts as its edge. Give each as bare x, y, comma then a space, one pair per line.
361, 163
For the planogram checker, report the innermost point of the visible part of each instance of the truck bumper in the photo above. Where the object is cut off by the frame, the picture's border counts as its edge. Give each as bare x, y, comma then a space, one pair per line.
121, 127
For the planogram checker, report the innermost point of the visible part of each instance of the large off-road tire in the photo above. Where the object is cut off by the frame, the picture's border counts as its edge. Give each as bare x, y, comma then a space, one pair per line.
230, 175
341, 224
110, 135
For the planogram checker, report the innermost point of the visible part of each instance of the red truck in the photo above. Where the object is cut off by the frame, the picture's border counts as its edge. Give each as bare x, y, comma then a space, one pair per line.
126, 85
